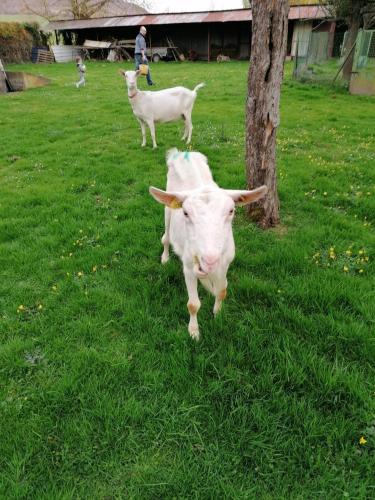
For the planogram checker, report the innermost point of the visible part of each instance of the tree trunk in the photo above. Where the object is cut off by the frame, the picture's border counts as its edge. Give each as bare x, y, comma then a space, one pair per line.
268, 49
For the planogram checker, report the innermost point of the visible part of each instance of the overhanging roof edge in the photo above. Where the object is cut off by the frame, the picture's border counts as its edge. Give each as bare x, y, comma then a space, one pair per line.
236, 15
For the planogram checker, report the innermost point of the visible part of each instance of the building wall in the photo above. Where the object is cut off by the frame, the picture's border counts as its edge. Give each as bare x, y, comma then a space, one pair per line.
232, 38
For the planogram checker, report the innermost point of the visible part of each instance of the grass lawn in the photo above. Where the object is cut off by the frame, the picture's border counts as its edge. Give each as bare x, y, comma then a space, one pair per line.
102, 392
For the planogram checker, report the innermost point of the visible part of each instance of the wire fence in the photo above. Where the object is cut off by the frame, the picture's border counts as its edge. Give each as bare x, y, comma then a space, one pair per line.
363, 75
317, 56
320, 56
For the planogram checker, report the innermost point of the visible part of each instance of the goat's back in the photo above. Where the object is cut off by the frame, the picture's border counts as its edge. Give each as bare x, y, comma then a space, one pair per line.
164, 105
187, 171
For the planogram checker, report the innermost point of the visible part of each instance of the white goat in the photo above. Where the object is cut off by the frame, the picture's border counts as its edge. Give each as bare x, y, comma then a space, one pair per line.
160, 106
198, 224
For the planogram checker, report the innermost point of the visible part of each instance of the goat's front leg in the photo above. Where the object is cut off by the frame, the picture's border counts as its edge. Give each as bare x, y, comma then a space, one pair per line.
193, 304
165, 238
220, 296
151, 126
143, 128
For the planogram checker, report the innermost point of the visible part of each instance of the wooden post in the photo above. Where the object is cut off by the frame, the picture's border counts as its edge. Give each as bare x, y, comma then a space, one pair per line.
208, 45
268, 49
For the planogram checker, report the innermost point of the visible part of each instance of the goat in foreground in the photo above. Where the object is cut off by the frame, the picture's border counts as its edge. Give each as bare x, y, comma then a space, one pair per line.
198, 224
160, 106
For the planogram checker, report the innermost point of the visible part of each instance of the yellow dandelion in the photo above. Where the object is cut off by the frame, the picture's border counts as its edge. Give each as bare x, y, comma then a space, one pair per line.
325, 193
360, 271
94, 269
40, 307
54, 288
346, 269
362, 440
80, 274
21, 307
348, 252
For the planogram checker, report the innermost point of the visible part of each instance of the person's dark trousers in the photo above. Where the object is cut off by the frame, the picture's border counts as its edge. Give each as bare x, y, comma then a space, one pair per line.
138, 61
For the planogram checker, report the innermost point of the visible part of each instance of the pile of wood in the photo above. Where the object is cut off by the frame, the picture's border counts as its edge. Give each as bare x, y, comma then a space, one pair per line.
42, 56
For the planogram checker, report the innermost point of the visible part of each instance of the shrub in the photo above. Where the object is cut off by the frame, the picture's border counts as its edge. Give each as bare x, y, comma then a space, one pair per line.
40, 38
15, 43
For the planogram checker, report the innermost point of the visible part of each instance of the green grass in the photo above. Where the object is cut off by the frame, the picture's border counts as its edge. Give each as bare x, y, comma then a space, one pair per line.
102, 392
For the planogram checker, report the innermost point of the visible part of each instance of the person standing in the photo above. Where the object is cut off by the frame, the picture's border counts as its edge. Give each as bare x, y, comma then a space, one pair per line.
81, 71
140, 52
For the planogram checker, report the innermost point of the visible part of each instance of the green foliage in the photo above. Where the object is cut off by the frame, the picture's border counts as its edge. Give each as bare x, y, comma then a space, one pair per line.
345, 9
40, 38
102, 393
15, 42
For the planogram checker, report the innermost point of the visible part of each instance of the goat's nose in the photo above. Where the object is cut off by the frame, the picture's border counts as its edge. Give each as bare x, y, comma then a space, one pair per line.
210, 260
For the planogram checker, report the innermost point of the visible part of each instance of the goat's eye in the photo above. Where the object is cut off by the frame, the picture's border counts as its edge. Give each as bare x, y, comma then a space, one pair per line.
231, 211
186, 214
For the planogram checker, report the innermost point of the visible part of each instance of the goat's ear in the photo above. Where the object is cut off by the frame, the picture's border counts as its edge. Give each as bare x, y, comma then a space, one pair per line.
242, 197
138, 72
171, 200
122, 72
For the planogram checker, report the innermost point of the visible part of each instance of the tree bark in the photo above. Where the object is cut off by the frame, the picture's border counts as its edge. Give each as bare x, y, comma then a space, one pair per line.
268, 49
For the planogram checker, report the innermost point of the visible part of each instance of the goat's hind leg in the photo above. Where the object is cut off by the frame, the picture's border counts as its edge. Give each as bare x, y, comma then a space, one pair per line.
186, 131
188, 126
165, 238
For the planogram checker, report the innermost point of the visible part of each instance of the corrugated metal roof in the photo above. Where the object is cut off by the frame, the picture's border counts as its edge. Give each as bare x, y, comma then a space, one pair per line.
307, 12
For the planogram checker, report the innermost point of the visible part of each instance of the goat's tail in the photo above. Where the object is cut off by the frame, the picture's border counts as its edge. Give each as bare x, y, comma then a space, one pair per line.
199, 86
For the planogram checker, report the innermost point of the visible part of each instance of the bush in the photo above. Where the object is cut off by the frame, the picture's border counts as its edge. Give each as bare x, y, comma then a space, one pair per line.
15, 43
40, 38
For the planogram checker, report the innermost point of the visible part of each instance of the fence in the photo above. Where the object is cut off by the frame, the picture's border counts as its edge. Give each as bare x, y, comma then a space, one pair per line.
317, 59
314, 55
363, 76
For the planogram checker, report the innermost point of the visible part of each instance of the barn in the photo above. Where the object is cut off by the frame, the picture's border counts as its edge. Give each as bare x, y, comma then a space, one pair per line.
206, 34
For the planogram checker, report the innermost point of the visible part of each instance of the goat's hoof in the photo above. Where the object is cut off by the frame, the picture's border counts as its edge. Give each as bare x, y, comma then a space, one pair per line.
164, 259
194, 333
143, 145
217, 309
154, 147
